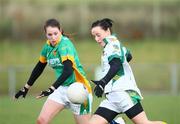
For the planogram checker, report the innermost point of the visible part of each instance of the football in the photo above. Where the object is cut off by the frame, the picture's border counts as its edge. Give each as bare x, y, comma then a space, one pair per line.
77, 93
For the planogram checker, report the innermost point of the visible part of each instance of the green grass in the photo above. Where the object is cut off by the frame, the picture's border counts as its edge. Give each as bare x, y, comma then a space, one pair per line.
156, 51
25, 111
163, 108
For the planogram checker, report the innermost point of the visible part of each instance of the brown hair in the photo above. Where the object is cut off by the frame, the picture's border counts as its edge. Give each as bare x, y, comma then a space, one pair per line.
54, 23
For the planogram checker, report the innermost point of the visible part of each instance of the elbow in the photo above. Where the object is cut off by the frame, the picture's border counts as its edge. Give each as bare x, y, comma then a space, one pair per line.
68, 72
129, 57
116, 67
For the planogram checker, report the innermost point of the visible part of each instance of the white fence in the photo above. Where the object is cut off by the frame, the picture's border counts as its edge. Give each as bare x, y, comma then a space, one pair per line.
150, 77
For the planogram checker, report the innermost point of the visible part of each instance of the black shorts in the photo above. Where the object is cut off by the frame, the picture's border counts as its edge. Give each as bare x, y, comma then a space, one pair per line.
109, 115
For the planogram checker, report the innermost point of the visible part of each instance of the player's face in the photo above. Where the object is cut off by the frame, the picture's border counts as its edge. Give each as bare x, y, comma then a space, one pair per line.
99, 34
53, 34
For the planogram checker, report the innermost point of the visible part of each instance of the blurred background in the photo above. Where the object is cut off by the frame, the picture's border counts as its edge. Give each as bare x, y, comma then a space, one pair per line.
149, 28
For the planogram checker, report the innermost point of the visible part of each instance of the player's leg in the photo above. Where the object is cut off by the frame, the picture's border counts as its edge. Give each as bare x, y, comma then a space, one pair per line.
142, 119
82, 119
103, 115
118, 120
54, 104
82, 112
108, 109
97, 119
49, 110
101, 120
138, 116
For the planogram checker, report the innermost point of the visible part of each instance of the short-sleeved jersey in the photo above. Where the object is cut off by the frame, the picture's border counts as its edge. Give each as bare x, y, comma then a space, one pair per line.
124, 79
56, 55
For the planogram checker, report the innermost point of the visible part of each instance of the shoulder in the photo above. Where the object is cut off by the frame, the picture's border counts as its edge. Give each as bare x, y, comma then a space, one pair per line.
66, 40
45, 48
111, 39
65, 43
46, 45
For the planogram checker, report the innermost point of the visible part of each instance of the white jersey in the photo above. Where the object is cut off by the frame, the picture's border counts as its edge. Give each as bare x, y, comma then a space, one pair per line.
124, 79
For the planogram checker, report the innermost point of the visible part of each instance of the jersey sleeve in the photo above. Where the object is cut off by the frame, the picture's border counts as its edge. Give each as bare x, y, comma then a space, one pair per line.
127, 54
115, 51
43, 54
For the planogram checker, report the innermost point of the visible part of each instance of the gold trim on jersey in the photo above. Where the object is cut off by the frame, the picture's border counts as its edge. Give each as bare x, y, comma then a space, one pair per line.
42, 59
78, 75
64, 58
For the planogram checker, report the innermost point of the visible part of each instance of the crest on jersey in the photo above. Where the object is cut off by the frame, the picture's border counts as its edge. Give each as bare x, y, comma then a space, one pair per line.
112, 39
116, 47
54, 52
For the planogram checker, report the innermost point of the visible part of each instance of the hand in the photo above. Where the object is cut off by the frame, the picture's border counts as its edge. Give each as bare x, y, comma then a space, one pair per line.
99, 89
45, 93
22, 92
128, 56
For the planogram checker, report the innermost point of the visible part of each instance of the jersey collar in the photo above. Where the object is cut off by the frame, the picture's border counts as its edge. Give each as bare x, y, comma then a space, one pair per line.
107, 39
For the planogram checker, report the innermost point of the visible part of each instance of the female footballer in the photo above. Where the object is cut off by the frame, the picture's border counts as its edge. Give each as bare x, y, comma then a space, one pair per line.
60, 54
121, 92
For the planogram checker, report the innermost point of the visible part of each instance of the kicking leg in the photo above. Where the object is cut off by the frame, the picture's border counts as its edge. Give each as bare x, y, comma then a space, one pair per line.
49, 110
82, 119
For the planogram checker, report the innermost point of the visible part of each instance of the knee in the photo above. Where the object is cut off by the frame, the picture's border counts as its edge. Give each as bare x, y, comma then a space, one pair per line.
41, 120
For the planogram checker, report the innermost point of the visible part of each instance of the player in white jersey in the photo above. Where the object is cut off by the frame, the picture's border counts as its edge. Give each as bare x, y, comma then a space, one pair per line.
114, 49
118, 84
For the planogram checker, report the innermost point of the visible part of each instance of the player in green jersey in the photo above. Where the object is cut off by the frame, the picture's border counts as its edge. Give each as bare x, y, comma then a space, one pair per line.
121, 92
60, 54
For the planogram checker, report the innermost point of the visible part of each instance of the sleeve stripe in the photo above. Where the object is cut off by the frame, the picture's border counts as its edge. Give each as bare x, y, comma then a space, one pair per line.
78, 75
67, 57
42, 59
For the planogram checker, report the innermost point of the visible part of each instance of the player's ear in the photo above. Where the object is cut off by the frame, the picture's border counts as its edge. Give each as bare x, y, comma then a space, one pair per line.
61, 30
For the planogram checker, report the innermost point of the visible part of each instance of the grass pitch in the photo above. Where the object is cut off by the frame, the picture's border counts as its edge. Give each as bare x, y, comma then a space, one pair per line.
25, 111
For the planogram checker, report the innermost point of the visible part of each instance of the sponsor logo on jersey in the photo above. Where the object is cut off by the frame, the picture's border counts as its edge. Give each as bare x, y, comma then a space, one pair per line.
55, 62
116, 47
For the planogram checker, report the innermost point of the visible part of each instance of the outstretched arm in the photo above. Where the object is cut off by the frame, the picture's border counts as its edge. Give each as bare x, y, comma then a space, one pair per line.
115, 65
67, 71
38, 69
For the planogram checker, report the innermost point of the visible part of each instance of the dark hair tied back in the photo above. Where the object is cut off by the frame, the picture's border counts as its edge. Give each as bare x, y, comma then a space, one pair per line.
103, 23
108, 22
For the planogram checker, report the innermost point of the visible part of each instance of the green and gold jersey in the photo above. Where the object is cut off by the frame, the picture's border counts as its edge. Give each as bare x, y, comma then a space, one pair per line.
56, 55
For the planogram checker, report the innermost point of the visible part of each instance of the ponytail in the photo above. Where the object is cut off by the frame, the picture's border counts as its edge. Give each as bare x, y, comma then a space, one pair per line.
105, 24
